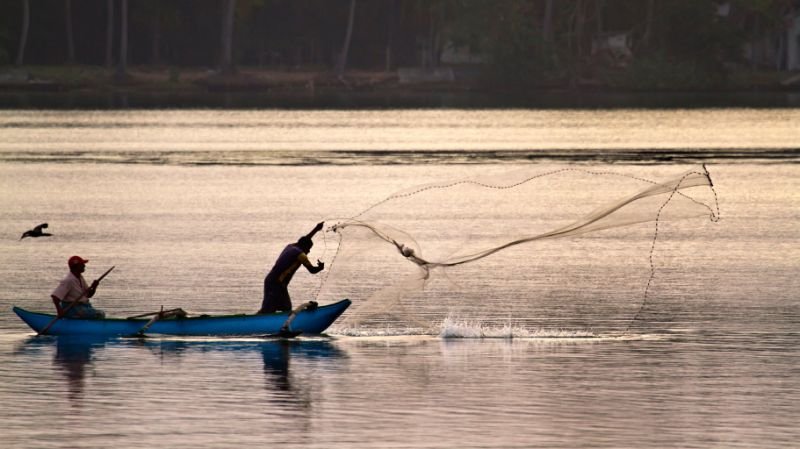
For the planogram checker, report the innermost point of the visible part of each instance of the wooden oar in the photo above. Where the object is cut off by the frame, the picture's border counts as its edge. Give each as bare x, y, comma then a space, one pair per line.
142, 315
59, 314
62, 313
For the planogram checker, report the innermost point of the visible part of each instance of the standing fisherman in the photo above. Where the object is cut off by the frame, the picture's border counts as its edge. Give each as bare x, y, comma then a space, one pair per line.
276, 293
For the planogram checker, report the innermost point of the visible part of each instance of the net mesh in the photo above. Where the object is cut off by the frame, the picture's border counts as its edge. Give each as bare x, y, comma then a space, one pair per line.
566, 248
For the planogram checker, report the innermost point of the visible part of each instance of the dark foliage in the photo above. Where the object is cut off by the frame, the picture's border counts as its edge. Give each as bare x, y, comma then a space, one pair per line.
673, 42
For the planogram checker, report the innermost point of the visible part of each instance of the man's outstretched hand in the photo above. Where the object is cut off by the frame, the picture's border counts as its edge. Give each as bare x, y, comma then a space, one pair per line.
316, 229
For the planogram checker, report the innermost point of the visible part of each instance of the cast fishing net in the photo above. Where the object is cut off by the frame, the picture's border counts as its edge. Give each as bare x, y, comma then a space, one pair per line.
569, 248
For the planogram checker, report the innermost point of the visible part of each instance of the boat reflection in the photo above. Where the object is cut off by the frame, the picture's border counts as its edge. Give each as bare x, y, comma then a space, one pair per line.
278, 357
72, 356
287, 365
290, 365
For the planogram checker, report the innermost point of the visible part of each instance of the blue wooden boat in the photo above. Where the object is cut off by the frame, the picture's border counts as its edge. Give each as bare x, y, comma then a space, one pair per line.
306, 321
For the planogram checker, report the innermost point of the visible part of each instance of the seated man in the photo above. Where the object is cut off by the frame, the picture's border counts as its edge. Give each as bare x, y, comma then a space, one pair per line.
71, 297
276, 292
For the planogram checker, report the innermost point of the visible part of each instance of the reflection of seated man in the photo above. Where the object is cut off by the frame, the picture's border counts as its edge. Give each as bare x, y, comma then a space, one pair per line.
72, 357
71, 297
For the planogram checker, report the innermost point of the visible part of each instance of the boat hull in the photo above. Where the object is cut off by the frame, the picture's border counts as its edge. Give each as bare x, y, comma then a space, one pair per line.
307, 321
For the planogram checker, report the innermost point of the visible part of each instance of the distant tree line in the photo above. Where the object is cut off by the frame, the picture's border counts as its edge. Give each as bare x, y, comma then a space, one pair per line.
518, 41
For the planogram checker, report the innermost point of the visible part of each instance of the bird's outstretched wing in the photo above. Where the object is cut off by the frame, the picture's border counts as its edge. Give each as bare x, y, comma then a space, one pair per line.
36, 232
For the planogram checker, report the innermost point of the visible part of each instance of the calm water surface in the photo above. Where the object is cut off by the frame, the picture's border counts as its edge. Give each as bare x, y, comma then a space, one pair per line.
192, 207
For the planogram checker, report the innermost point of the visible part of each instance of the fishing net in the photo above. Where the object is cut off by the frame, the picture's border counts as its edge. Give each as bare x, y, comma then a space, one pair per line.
568, 248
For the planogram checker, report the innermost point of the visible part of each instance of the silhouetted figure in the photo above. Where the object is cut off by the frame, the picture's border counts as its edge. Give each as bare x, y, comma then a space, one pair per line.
36, 232
71, 297
276, 292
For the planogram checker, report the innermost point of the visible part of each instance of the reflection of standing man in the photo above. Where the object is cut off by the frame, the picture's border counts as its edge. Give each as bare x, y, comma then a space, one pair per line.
276, 365
71, 297
276, 292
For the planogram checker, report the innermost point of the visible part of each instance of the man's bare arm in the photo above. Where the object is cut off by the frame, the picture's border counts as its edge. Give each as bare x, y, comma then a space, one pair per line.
316, 229
311, 268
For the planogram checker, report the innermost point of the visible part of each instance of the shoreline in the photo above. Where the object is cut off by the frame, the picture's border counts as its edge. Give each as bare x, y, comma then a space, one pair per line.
81, 87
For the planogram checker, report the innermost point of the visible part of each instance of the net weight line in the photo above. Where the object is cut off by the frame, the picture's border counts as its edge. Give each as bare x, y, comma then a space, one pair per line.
714, 217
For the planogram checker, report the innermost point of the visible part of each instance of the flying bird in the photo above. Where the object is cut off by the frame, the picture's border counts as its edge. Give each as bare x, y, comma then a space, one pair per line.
36, 232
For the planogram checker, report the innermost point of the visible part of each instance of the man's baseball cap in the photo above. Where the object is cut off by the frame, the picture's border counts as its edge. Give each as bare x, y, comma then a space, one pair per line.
75, 260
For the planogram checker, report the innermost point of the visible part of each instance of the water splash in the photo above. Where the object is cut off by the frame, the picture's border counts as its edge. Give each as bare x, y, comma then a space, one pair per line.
456, 327
453, 327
